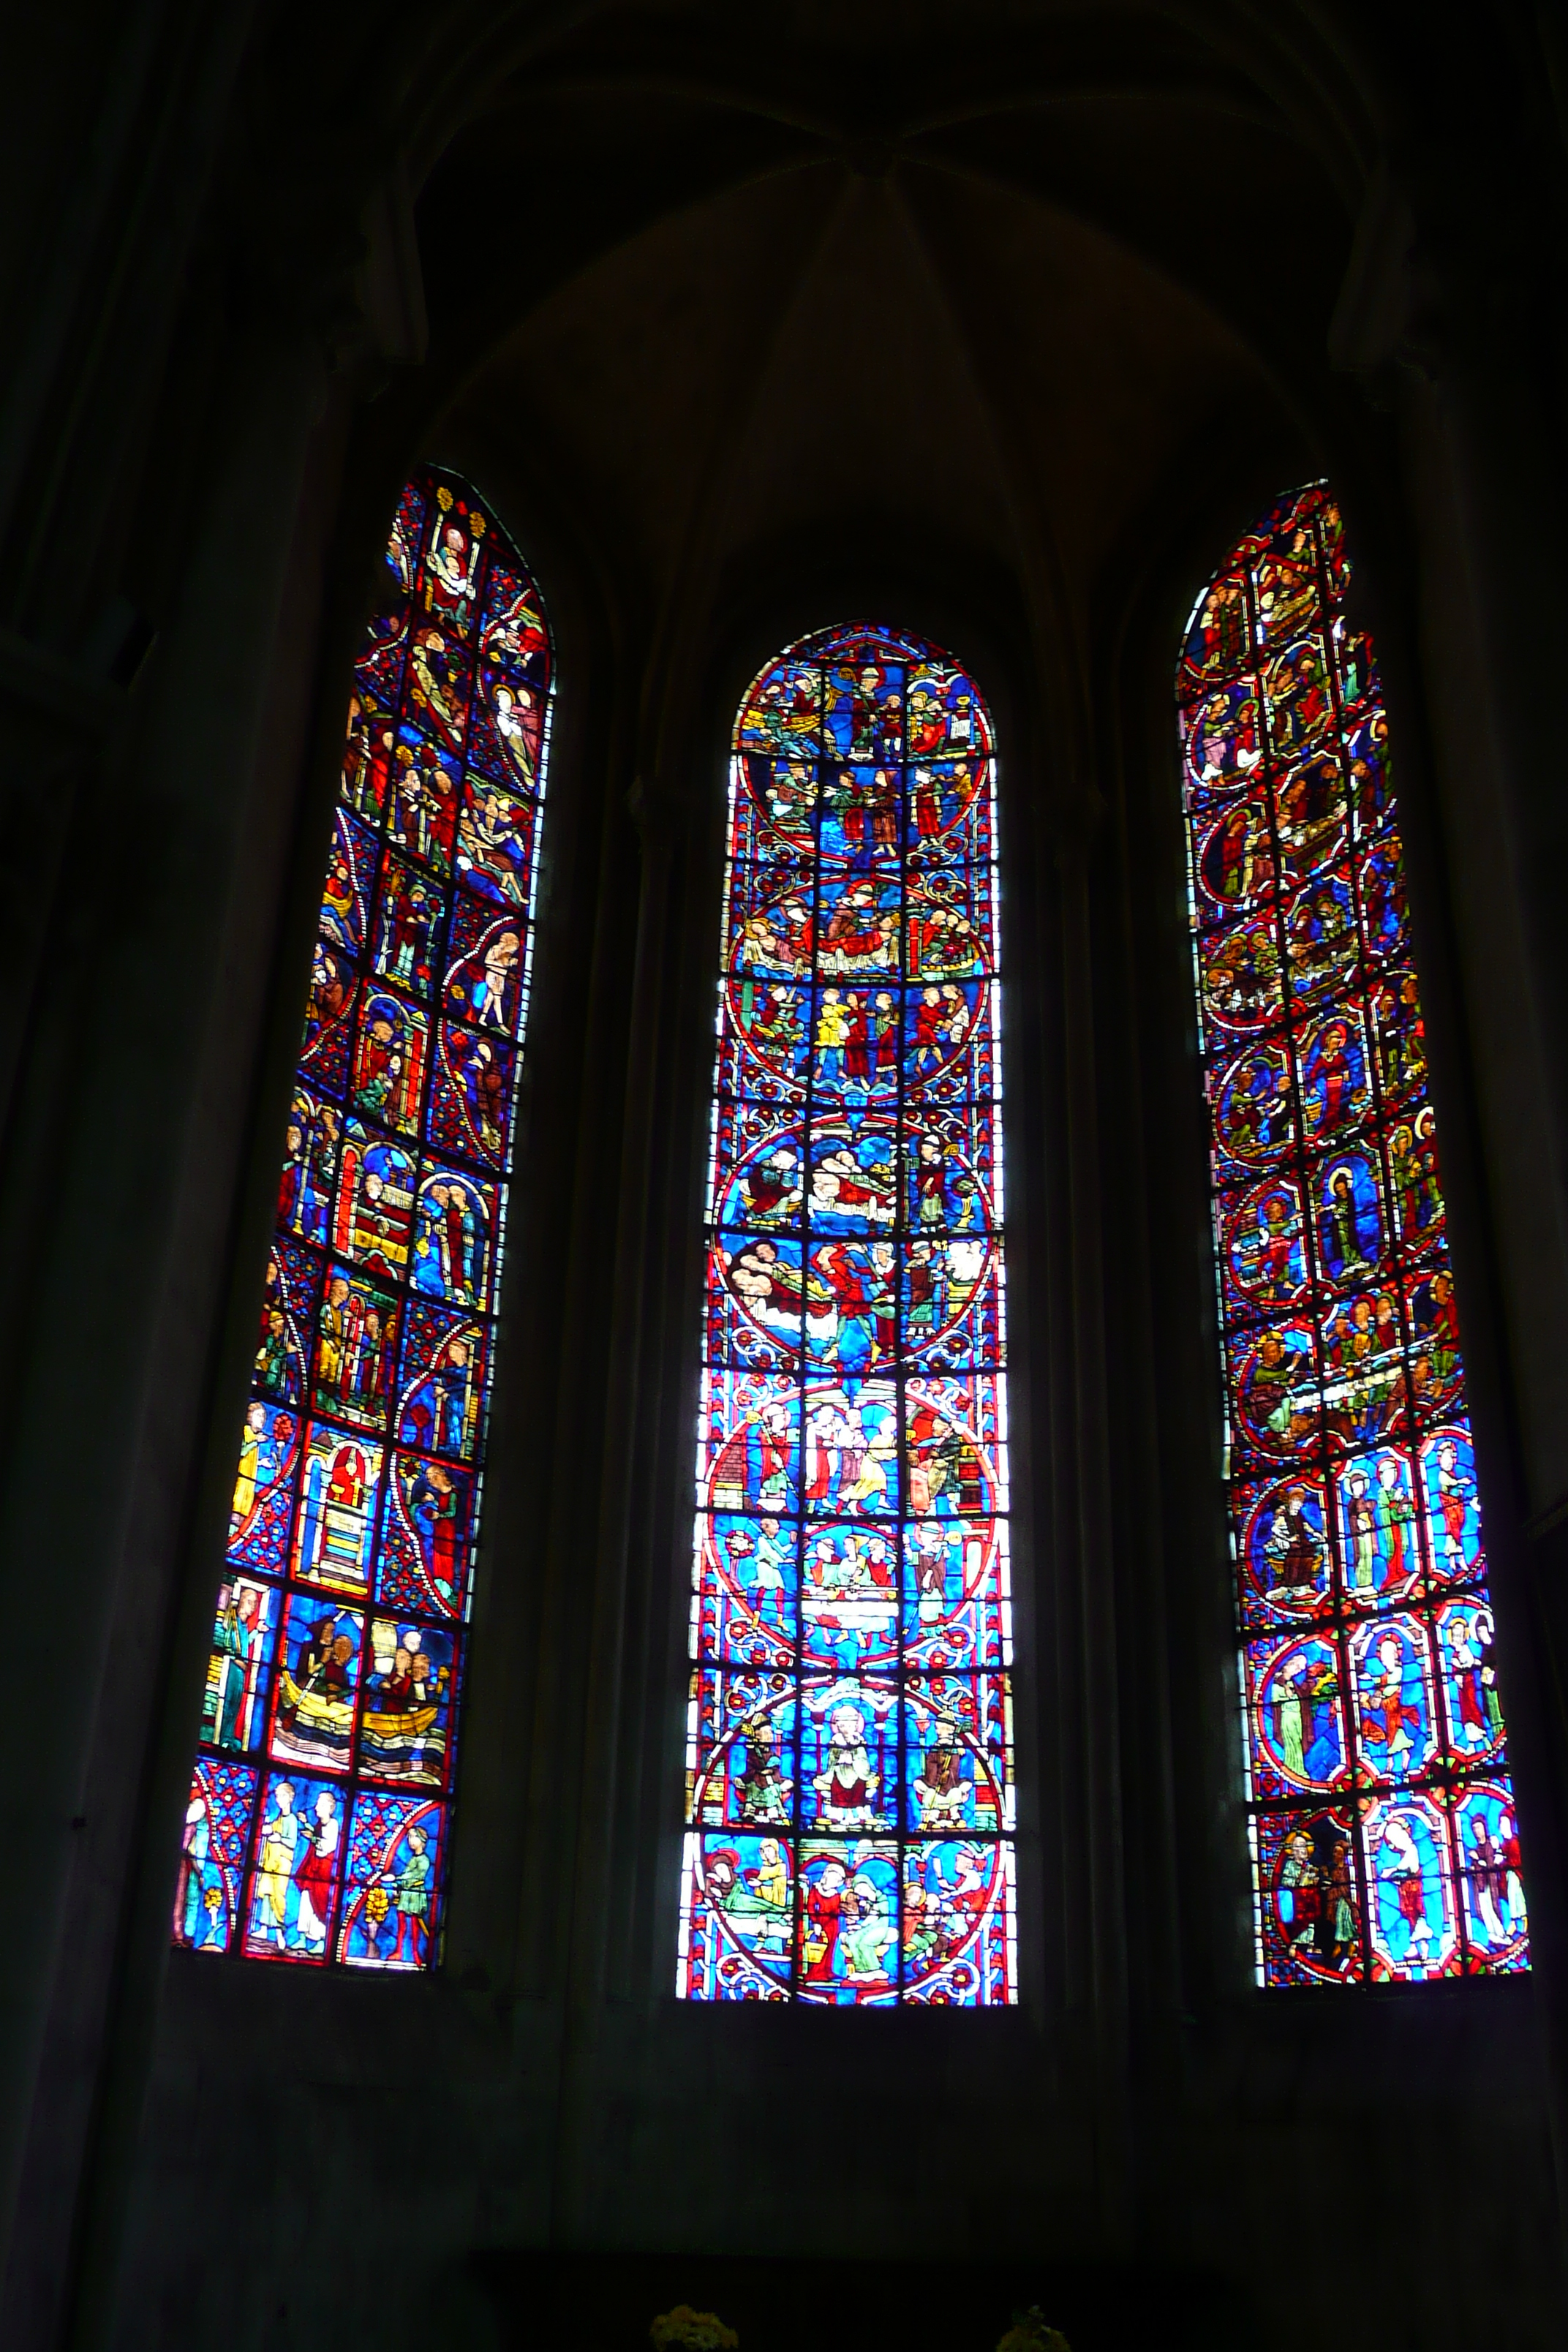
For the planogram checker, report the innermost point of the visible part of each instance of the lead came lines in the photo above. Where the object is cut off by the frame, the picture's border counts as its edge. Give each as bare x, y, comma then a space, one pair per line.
1384, 1839
317, 1826
881, 1904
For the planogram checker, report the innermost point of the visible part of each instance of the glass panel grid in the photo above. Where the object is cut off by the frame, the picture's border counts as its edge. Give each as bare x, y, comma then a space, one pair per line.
850, 1734
1383, 1836
319, 1822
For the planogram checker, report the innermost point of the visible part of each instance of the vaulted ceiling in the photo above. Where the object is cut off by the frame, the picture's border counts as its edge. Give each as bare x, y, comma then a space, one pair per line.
1003, 274
991, 272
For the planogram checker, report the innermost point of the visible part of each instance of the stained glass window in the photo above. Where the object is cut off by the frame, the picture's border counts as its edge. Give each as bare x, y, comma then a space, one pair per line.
319, 1822
849, 1738
1384, 1840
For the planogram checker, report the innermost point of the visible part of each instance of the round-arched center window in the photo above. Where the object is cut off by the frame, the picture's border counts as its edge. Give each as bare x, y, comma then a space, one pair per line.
849, 1737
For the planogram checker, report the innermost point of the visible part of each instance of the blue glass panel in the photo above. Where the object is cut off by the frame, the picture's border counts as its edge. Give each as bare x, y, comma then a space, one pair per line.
849, 1744
1368, 1669
338, 1650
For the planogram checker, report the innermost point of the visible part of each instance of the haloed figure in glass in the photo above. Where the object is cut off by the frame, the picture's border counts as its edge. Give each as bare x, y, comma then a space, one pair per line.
319, 1813
1384, 1838
849, 1738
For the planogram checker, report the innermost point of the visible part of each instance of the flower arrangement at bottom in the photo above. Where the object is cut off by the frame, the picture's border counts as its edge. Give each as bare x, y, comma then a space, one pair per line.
1029, 2332
685, 2330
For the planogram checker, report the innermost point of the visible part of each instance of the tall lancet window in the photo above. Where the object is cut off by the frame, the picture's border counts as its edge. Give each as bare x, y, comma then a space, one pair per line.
319, 1813
850, 1740
1385, 1846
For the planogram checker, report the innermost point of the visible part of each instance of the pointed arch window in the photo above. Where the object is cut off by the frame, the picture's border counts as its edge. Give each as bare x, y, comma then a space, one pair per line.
319, 1822
849, 1742
1383, 1834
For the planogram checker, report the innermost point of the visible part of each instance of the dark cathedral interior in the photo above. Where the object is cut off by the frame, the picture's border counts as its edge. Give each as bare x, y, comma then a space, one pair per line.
997, 323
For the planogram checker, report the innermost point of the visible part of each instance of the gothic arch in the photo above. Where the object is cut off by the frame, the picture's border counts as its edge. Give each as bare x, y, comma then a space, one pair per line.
318, 1825
1381, 1812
